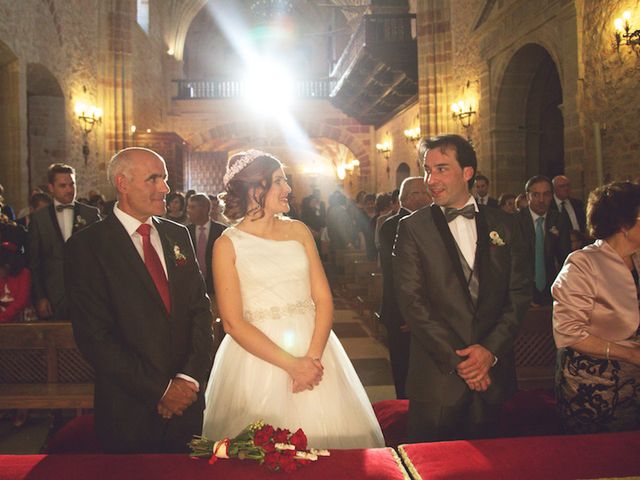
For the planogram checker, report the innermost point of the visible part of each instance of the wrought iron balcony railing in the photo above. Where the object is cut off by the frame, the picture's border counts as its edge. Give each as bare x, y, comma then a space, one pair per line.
221, 89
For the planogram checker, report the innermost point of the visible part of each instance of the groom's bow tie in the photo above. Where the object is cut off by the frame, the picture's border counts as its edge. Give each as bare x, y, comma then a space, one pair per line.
61, 207
468, 211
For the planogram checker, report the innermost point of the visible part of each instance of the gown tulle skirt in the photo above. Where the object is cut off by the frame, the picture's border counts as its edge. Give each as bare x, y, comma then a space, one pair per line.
243, 388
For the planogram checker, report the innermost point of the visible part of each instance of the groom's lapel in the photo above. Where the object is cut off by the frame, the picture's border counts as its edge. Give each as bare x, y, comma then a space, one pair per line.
450, 244
482, 252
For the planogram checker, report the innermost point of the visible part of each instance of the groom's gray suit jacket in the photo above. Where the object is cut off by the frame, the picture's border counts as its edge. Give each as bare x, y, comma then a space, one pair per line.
444, 314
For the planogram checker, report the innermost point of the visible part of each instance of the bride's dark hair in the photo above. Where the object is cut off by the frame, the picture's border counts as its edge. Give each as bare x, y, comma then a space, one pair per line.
255, 176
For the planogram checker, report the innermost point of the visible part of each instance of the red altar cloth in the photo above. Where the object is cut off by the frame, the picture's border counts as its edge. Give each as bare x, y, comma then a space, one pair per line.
378, 464
557, 457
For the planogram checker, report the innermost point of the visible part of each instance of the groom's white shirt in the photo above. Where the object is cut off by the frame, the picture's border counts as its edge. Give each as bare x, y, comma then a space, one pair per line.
465, 234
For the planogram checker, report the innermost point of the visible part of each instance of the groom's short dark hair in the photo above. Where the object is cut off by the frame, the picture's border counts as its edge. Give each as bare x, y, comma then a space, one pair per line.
465, 154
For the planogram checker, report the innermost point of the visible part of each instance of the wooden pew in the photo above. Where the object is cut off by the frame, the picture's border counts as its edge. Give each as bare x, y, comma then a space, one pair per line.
41, 367
535, 350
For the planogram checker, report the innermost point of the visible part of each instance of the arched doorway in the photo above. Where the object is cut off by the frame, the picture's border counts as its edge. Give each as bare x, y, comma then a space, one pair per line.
529, 130
46, 123
403, 171
10, 159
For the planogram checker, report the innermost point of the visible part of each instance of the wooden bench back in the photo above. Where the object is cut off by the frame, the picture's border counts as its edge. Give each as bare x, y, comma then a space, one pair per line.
41, 352
535, 350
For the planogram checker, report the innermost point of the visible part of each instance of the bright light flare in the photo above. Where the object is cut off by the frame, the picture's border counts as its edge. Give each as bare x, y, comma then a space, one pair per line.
269, 86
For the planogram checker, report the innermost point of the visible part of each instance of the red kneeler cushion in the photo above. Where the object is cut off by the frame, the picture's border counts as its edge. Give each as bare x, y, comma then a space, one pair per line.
77, 436
392, 417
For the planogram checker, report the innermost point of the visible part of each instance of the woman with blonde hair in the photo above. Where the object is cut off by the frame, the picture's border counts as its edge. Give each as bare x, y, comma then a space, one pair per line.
280, 361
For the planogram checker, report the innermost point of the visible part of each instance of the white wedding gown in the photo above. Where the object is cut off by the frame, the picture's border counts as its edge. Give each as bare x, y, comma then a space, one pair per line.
276, 298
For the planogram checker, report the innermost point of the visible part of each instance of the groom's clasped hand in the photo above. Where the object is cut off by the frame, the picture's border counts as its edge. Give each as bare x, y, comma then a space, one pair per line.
306, 373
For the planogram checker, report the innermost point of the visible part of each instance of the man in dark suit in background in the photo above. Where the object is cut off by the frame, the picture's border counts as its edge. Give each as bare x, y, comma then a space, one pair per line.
463, 289
140, 314
413, 196
49, 229
547, 235
203, 233
572, 208
482, 192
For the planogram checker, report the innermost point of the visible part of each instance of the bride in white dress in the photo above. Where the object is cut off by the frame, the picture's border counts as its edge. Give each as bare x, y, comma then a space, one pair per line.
280, 361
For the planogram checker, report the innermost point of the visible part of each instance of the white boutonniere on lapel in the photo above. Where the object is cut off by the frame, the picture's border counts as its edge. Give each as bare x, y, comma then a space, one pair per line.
554, 231
80, 222
495, 239
179, 257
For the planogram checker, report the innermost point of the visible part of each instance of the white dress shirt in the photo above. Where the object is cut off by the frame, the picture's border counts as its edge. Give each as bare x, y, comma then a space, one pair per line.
465, 234
65, 220
131, 226
570, 211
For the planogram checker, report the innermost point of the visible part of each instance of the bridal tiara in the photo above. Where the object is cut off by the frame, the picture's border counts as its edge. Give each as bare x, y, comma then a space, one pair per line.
247, 157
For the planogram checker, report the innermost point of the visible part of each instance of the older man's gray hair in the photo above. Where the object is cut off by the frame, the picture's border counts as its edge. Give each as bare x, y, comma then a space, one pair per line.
121, 163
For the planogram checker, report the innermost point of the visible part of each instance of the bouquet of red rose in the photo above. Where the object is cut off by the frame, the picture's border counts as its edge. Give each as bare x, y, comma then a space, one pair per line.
278, 449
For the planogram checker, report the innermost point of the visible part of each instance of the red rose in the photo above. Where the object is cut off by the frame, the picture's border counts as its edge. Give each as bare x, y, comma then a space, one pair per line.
181, 262
299, 440
261, 438
268, 447
272, 460
281, 435
288, 464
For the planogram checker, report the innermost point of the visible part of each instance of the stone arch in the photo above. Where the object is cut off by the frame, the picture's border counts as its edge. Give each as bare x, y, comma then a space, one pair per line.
234, 135
45, 122
403, 171
11, 163
528, 128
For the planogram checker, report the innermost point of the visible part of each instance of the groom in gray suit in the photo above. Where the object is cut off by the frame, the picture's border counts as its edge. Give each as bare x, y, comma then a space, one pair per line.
460, 272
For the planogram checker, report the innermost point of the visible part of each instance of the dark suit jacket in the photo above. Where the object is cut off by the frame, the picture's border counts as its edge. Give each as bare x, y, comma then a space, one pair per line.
135, 346
215, 230
578, 208
389, 311
557, 245
436, 303
45, 252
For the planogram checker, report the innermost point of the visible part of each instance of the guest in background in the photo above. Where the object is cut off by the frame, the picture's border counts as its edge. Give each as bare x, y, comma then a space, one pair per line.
339, 224
521, 202
203, 233
382, 207
311, 216
572, 208
176, 208
215, 214
393, 209
37, 201
50, 228
5, 208
546, 234
596, 318
97, 200
413, 196
482, 192
15, 283
507, 202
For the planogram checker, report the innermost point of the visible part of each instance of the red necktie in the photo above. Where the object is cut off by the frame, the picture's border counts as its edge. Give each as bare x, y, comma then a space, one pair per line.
154, 266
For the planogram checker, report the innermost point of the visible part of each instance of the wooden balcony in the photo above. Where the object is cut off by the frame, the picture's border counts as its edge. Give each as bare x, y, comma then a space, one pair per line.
226, 89
377, 75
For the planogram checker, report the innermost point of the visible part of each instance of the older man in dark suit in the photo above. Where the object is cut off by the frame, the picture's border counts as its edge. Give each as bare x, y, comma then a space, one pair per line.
546, 232
140, 314
204, 232
49, 229
572, 208
463, 289
413, 196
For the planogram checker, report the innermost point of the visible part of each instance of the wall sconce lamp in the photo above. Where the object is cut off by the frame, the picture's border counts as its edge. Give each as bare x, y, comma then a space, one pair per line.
625, 35
412, 134
463, 114
89, 116
385, 148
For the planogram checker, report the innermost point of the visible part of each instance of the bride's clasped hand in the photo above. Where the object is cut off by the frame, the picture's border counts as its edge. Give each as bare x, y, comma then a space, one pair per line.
306, 373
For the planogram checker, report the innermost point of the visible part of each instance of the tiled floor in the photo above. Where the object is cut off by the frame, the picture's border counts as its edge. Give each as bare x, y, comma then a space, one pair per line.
369, 356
